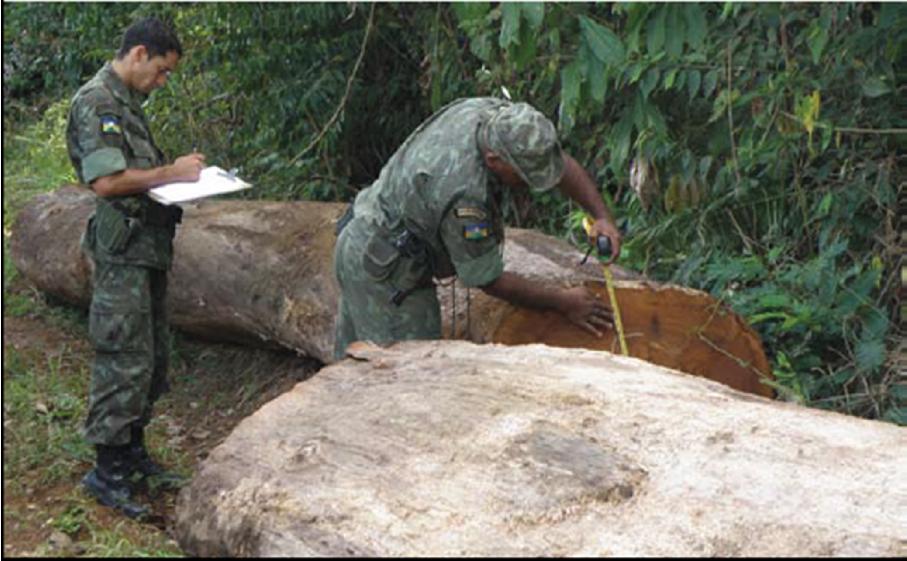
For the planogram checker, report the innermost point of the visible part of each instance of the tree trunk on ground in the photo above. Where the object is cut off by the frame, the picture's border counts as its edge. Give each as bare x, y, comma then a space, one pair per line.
447, 448
261, 272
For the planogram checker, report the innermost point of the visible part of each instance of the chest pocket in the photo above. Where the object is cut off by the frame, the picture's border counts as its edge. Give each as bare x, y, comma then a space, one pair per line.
142, 152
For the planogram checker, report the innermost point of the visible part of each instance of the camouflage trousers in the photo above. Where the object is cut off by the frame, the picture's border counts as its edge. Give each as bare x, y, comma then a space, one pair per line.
365, 311
128, 328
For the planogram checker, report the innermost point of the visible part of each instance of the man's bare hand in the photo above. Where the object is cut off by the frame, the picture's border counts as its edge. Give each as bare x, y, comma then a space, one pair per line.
188, 167
582, 308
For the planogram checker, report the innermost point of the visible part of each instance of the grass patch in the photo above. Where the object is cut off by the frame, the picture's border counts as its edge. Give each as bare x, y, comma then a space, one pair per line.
46, 374
45, 395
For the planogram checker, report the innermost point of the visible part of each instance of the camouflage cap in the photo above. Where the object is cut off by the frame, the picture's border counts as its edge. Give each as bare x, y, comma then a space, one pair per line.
527, 140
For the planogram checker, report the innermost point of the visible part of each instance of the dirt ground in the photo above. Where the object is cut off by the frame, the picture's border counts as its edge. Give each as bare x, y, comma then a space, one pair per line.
213, 387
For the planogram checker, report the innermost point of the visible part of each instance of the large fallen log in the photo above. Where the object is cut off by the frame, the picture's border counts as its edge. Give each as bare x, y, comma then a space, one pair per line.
447, 448
261, 272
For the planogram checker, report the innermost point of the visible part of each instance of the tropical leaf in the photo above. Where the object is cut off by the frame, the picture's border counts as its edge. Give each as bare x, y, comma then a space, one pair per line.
709, 83
676, 31
697, 28
571, 81
655, 32
510, 24
869, 354
817, 36
534, 13
875, 87
466, 11
693, 79
603, 43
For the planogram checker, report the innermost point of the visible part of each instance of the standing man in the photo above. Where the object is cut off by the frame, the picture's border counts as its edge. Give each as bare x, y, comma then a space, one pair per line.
130, 239
434, 211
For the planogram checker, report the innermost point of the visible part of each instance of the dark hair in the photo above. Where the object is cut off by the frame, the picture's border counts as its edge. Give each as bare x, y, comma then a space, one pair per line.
156, 36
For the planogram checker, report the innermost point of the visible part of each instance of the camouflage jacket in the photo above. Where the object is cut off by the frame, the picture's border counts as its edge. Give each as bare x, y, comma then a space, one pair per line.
437, 187
107, 133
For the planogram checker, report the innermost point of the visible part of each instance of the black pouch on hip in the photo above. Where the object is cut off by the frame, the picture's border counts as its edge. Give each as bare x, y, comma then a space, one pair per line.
112, 229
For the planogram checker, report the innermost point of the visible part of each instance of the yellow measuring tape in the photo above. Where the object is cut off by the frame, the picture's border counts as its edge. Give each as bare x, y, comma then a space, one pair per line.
609, 283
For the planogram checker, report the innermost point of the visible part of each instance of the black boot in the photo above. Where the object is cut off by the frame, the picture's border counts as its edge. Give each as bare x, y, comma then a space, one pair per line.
109, 481
147, 468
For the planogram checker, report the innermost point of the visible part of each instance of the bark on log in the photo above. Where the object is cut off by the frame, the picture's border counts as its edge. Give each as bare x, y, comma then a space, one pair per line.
448, 448
262, 272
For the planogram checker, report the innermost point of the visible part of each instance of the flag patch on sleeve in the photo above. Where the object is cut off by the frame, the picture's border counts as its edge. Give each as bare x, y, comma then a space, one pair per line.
476, 231
110, 125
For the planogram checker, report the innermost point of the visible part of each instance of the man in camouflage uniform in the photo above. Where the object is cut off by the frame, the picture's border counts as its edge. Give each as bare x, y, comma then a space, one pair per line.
434, 212
129, 237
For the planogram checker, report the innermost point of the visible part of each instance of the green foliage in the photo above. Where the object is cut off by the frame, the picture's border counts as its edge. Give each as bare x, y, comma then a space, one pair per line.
49, 48
71, 520
263, 81
777, 197
773, 128
35, 159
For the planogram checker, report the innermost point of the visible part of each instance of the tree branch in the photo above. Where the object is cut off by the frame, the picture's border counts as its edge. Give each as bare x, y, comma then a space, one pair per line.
346, 94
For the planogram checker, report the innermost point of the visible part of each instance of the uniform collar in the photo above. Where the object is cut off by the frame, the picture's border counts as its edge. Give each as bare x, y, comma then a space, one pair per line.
120, 90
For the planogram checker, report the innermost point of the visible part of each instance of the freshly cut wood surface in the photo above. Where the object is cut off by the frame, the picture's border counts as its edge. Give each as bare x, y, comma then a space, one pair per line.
668, 325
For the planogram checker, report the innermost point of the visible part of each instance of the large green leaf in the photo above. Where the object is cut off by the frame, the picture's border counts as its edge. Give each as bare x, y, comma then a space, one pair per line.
524, 50
597, 78
817, 36
649, 81
869, 354
620, 141
655, 32
708, 84
875, 87
571, 81
603, 43
510, 24
669, 78
697, 28
534, 12
693, 79
675, 33
466, 11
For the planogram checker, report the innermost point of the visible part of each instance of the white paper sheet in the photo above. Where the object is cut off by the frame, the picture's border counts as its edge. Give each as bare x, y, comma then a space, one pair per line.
212, 181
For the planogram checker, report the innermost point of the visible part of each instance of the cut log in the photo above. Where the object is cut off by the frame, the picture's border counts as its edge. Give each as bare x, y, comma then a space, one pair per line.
447, 448
262, 272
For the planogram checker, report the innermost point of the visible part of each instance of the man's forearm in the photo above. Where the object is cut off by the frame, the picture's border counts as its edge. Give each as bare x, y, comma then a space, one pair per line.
577, 185
132, 181
523, 292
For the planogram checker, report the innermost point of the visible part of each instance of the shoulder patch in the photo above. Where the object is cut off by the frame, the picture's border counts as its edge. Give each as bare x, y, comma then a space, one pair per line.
110, 124
470, 212
477, 231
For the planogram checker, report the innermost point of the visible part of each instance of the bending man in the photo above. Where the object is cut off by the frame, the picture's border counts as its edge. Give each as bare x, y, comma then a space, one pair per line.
435, 211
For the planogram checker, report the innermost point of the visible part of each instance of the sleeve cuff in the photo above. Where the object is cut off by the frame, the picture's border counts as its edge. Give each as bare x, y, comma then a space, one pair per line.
101, 162
482, 270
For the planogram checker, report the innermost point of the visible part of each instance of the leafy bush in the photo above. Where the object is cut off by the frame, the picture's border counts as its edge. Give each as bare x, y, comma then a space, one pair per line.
775, 131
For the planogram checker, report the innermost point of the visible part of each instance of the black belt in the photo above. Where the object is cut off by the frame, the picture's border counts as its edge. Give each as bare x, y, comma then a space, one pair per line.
161, 215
